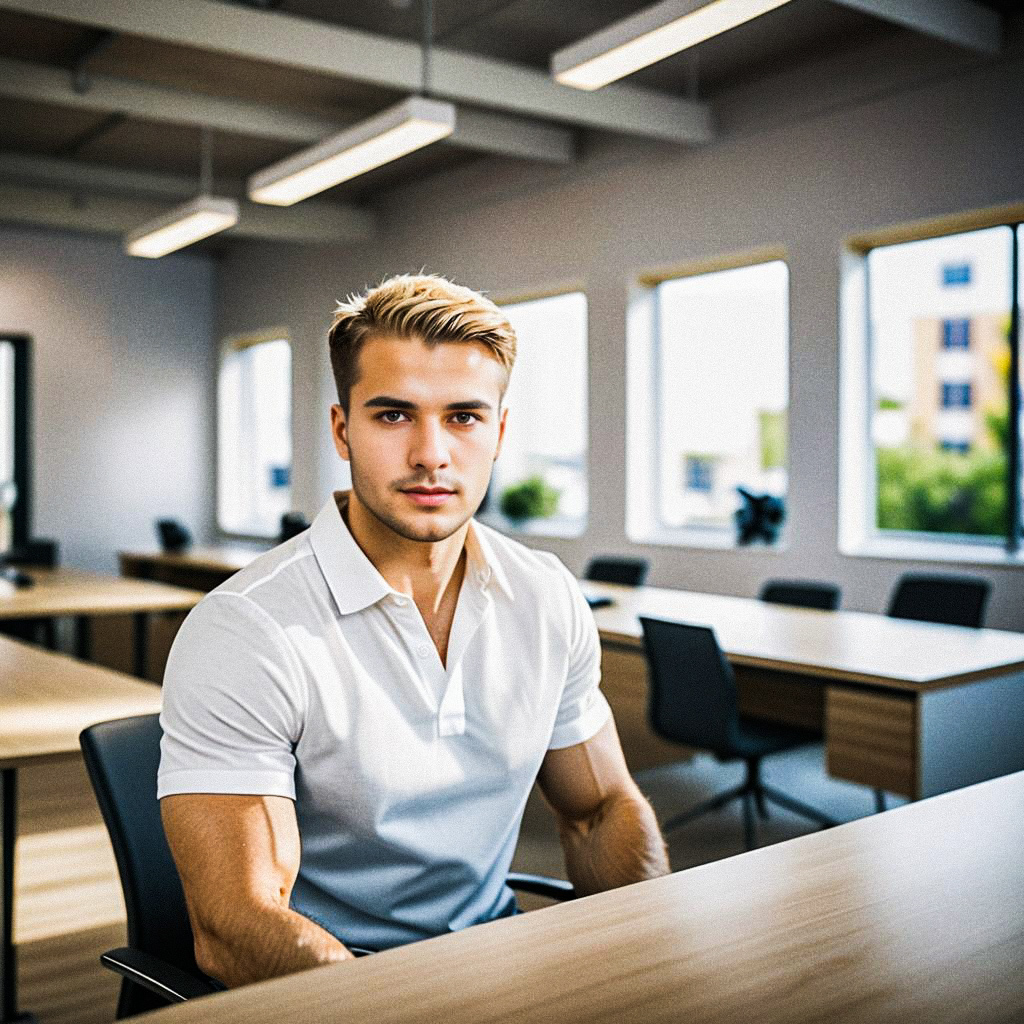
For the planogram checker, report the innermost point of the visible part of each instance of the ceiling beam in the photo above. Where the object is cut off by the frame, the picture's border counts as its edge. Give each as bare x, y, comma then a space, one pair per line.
962, 22
72, 209
396, 64
477, 130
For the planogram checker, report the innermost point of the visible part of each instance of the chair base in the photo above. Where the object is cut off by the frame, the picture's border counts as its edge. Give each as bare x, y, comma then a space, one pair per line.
755, 794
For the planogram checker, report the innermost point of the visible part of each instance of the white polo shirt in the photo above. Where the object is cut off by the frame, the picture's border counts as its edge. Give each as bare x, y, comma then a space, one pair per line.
307, 676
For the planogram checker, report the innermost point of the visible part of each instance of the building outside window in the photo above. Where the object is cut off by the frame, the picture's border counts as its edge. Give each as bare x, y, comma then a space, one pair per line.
956, 334
940, 364
721, 380
956, 274
254, 436
545, 443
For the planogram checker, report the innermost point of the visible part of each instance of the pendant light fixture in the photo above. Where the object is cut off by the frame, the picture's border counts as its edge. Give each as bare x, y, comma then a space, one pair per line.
199, 218
416, 122
648, 36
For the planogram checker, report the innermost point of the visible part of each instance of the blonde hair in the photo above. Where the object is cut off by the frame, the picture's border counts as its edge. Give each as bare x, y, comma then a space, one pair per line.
421, 306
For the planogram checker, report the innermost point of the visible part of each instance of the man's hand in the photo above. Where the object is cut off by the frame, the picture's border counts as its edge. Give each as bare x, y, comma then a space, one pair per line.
238, 857
609, 832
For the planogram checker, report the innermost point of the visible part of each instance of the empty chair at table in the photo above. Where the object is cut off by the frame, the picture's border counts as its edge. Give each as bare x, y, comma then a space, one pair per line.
935, 597
802, 594
37, 553
630, 572
693, 702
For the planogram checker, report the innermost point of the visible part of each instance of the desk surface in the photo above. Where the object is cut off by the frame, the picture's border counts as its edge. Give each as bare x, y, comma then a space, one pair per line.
218, 558
847, 646
913, 915
77, 592
47, 699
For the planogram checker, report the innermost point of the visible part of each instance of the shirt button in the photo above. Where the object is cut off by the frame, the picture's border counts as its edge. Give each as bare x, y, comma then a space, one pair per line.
399, 601
423, 650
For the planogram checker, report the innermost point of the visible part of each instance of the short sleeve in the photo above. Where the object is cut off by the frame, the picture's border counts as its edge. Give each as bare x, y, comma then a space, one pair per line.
583, 709
232, 703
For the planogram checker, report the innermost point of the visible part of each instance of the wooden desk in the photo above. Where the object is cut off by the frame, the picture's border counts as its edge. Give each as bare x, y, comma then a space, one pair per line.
46, 700
914, 708
197, 568
84, 595
914, 915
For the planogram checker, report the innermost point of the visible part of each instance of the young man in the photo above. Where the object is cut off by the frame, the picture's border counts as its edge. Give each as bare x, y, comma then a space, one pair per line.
354, 722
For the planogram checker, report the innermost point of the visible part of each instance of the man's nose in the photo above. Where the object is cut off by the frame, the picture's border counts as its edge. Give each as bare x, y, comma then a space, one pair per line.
430, 447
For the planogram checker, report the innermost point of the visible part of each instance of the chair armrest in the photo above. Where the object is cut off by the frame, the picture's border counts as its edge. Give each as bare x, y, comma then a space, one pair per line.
166, 980
541, 885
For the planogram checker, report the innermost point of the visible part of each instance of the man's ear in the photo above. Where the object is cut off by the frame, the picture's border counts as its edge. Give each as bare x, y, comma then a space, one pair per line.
339, 432
501, 432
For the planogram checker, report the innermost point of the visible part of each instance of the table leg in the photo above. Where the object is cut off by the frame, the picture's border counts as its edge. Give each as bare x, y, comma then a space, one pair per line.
140, 635
9, 969
83, 637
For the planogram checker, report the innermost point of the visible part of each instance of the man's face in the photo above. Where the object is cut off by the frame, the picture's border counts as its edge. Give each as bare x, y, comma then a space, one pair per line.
423, 429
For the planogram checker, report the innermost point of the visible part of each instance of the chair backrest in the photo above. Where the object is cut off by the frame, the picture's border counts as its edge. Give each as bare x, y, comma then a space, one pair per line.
692, 687
953, 600
630, 572
802, 594
122, 758
38, 553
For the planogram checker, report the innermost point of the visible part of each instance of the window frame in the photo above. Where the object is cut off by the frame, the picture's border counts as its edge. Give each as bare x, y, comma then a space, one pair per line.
858, 530
544, 528
644, 406
232, 344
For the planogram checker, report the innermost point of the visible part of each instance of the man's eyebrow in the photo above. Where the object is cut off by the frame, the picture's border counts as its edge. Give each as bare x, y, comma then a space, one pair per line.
386, 402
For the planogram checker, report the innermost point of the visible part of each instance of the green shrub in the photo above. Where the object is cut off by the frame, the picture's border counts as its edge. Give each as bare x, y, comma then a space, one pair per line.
529, 499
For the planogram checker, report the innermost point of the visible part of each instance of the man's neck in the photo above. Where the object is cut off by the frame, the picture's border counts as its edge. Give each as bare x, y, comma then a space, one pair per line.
425, 571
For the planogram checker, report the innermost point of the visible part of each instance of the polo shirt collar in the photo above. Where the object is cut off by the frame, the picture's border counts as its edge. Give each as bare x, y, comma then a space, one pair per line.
354, 580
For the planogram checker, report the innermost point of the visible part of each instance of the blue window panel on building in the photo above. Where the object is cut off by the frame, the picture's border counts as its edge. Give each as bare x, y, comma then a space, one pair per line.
956, 395
954, 274
956, 334
280, 476
700, 475
960, 447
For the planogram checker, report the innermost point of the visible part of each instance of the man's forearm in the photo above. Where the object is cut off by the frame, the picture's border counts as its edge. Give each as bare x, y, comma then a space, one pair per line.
621, 844
264, 942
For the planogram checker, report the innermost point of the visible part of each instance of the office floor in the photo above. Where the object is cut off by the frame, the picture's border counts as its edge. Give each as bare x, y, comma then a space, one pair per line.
69, 908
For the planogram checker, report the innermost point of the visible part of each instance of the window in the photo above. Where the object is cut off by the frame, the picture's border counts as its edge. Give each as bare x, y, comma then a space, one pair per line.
700, 474
544, 452
956, 395
954, 274
944, 466
719, 375
956, 334
254, 437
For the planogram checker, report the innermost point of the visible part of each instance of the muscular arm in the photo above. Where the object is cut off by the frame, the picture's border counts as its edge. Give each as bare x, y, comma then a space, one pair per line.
238, 857
608, 830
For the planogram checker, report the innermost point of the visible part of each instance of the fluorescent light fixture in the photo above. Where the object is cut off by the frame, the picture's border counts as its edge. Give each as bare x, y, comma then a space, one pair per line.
410, 125
200, 218
649, 36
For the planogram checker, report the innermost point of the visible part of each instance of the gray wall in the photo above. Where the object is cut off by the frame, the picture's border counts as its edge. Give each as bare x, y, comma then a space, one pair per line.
807, 160
123, 388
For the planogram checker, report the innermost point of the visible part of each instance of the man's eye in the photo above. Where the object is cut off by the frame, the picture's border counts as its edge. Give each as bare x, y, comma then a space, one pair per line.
391, 416
463, 419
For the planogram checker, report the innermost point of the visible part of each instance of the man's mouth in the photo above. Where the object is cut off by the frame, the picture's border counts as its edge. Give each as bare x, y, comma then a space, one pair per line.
428, 497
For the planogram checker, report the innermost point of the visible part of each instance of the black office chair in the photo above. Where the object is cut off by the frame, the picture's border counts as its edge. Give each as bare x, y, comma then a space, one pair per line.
159, 966
802, 594
292, 524
693, 701
630, 572
38, 553
953, 600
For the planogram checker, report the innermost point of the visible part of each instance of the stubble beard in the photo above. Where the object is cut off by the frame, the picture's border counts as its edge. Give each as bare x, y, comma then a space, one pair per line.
426, 534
